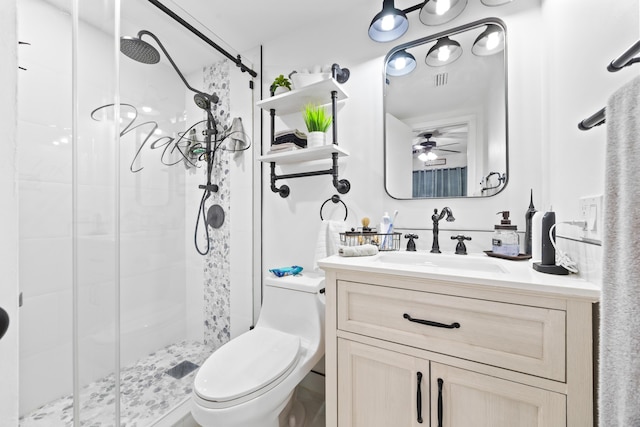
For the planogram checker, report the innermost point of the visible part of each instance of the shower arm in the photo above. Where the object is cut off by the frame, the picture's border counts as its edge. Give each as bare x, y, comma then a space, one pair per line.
211, 123
175, 67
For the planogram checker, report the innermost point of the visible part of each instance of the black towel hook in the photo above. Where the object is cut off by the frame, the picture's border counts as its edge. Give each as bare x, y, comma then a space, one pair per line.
335, 199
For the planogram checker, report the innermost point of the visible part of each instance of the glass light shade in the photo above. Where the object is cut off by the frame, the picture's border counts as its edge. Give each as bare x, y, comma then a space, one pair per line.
389, 24
444, 52
437, 12
490, 41
401, 63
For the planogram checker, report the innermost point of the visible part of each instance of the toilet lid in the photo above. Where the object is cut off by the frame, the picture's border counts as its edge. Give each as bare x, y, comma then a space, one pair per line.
247, 364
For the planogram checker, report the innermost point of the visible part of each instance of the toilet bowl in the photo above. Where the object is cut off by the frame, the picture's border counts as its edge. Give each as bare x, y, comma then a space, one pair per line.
250, 381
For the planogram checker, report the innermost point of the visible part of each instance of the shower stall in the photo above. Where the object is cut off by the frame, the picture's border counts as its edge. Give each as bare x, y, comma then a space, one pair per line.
118, 307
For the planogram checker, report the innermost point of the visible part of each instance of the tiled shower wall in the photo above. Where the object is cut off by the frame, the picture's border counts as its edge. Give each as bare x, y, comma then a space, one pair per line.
217, 289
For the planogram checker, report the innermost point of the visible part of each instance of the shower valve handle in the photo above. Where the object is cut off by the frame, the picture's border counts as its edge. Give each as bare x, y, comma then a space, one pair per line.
210, 187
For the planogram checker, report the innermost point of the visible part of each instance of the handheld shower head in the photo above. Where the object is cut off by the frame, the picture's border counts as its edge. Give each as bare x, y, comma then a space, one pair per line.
139, 50
204, 101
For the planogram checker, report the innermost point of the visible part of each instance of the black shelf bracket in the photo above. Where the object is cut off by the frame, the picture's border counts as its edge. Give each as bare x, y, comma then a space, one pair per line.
341, 185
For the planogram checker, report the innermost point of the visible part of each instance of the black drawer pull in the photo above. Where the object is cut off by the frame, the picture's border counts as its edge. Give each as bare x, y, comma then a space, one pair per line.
440, 409
430, 323
419, 398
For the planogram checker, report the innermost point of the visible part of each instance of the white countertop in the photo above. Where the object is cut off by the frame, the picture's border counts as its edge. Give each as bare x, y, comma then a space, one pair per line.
477, 269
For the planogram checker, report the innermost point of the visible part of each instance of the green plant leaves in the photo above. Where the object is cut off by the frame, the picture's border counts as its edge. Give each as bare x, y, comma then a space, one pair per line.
281, 80
316, 118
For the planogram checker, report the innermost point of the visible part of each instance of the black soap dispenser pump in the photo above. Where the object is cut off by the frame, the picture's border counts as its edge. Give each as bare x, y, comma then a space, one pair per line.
528, 226
548, 263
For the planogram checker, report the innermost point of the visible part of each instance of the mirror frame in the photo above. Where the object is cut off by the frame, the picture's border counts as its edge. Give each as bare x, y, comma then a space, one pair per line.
429, 39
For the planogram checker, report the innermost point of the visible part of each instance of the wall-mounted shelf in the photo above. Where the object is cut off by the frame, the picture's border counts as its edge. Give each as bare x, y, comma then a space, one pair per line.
294, 100
304, 154
324, 92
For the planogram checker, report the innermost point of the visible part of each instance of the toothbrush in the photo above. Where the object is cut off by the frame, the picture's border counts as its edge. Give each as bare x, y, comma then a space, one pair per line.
390, 230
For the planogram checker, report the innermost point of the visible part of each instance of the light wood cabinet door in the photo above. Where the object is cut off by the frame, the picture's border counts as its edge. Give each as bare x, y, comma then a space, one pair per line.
379, 388
461, 398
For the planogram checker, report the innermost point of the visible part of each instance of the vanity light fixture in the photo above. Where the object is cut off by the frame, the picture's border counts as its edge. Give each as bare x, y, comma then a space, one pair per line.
444, 52
437, 12
401, 63
490, 41
389, 24
392, 23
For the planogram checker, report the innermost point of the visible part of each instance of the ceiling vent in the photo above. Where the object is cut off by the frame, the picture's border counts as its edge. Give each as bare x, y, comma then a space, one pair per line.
441, 79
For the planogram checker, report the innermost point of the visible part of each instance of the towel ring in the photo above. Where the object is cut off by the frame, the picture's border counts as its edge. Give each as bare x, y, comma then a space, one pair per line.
335, 199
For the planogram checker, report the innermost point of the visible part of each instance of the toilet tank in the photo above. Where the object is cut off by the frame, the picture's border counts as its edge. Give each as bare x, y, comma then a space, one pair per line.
294, 304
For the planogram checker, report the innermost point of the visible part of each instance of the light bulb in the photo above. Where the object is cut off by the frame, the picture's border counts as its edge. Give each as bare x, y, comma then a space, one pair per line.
388, 22
431, 155
444, 53
400, 63
423, 157
493, 40
442, 6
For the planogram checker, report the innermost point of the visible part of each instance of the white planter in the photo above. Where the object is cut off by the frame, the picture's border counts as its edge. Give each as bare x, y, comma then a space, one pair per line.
316, 139
280, 89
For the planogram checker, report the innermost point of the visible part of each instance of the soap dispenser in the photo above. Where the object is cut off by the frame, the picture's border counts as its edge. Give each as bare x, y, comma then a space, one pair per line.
505, 240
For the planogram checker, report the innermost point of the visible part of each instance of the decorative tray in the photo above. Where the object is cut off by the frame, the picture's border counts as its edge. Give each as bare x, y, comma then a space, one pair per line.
519, 257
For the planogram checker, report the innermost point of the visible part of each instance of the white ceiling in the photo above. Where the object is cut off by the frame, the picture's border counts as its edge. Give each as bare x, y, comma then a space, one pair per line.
245, 24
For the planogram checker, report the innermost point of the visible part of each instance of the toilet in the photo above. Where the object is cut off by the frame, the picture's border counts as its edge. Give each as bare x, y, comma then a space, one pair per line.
250, 381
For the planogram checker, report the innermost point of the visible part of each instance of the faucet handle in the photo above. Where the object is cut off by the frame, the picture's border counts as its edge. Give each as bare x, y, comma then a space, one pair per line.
411, 245
461, 248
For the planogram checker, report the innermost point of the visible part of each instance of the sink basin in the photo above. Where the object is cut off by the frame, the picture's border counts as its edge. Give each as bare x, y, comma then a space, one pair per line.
459, 263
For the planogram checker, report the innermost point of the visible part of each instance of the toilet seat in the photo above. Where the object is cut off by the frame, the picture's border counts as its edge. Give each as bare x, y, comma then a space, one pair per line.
246, 367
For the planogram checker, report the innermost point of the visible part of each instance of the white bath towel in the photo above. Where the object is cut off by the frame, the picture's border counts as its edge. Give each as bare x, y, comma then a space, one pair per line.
328, 239
619, 396
359, 250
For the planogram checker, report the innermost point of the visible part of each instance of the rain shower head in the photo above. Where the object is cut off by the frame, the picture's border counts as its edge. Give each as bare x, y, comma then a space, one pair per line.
139, 50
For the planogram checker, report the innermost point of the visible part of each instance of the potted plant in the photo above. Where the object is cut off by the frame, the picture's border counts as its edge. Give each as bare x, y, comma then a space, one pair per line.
317, 121
280, 84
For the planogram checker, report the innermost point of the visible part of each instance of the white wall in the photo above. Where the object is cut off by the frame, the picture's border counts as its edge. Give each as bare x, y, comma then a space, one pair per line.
557, 54
9, 216
585, 39
291, 224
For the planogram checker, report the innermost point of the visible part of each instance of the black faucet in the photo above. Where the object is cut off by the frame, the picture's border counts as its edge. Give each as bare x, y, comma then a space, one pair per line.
435, 247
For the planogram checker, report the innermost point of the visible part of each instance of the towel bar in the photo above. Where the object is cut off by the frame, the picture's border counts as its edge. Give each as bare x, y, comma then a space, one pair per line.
627, 58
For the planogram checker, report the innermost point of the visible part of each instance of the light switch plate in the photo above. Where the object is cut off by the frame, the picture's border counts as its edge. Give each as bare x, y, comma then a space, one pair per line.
591, 212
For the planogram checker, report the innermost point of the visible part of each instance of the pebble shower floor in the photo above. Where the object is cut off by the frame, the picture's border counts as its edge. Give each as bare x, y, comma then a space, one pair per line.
147, 392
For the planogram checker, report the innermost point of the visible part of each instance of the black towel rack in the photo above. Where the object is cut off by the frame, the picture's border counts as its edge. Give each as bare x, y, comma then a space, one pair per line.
335, 199
627, 58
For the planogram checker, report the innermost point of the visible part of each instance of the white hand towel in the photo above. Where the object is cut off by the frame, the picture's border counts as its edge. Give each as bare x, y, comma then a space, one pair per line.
328, 239
360, 250
619, 396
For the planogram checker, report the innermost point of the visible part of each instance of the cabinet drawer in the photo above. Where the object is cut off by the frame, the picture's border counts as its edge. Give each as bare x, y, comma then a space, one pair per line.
516, 337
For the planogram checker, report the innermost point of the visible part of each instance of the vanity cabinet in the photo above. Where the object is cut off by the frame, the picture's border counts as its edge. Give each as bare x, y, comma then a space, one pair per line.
411, 351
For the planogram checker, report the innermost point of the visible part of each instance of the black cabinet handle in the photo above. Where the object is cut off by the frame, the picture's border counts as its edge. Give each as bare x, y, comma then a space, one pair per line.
419, 398
440, 409
430, 323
